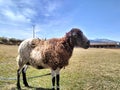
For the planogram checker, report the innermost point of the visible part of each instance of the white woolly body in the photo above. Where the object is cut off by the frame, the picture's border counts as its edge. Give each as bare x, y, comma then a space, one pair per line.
27, 54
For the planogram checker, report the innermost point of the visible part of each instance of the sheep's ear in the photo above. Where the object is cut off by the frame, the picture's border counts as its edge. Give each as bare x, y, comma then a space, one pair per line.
69, 34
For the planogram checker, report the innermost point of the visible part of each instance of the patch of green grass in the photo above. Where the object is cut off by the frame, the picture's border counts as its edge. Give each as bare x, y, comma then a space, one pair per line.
91, 69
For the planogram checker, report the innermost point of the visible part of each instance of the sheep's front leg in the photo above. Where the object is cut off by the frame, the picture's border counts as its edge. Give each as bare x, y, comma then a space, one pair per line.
57, 81
55, 75
53, 79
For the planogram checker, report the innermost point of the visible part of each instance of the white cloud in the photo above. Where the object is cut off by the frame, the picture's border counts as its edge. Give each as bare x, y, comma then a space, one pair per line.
10, 13
19, 16
14, 16
6, 3
51, 7
28, 12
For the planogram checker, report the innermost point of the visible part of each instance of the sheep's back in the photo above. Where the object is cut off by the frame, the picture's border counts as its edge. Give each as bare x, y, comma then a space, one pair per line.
25, 48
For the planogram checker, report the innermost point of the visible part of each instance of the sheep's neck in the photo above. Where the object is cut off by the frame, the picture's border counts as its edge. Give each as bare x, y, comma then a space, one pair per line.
68, 44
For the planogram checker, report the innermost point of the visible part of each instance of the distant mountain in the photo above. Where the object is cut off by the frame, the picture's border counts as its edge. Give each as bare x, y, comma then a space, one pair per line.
103, 41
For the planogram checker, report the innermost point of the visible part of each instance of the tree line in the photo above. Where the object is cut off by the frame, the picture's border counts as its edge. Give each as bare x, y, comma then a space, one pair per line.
10, 41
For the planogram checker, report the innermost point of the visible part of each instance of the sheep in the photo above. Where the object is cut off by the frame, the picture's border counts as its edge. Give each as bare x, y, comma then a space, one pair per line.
52, 53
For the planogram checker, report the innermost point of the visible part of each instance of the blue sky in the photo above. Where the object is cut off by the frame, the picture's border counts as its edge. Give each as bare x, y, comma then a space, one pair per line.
53, 18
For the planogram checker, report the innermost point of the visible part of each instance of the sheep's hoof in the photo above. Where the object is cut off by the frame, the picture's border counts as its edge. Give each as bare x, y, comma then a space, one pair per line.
27, 85
18, 88
53, 88
58, 88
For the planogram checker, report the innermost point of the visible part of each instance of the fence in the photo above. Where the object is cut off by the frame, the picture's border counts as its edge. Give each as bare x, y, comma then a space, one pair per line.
105, 45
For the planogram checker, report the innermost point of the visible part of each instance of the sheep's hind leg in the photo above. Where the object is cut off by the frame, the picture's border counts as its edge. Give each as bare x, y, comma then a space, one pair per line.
18, 79
55, 75
24, 76
53, 79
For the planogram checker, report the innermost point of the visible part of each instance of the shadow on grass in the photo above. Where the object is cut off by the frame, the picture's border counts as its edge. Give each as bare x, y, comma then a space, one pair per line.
31, 88
40, 88
15, 78
39, 76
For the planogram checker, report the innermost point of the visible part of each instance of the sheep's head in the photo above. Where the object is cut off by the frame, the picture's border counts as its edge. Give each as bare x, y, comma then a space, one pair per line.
78, 38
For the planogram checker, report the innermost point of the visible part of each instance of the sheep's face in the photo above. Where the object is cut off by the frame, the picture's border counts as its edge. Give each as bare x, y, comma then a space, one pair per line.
79, 38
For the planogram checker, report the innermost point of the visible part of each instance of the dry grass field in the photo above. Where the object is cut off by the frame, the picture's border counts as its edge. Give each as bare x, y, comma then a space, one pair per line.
91, 69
